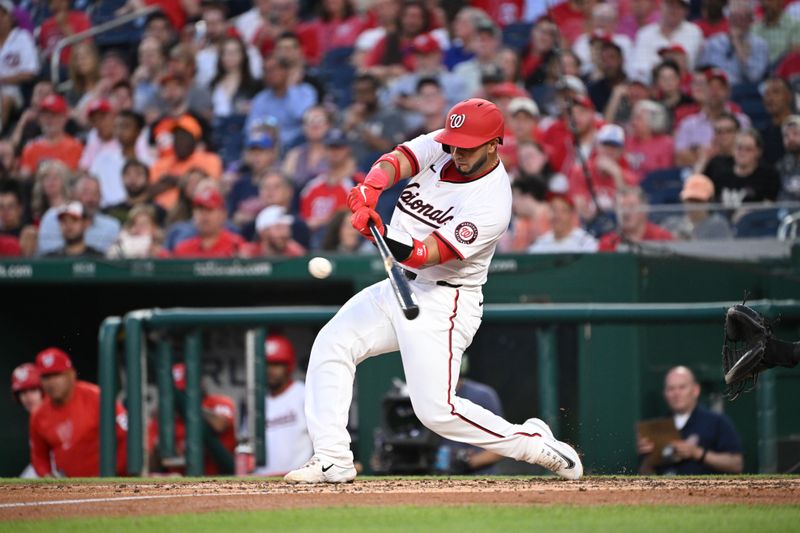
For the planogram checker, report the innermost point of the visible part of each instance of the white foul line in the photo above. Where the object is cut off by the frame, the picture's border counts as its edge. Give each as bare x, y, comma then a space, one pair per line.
122, 499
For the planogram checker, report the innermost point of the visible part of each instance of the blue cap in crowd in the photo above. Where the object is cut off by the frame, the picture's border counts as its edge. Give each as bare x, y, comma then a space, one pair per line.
260, 140
336, 137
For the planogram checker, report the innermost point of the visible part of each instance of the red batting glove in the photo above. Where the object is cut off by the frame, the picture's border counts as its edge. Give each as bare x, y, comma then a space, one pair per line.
362, 196
360, 221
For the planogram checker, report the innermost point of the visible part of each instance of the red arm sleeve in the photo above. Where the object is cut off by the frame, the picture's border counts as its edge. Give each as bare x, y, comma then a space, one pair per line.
446, 253
40, 451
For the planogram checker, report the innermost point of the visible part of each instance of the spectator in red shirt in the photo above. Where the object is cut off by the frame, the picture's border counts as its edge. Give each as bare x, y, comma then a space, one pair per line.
327, 193
212, 240
570, 17
64, 430
558, 139
392, 55
62, 23
608, 172
634, 227
54, 143
219, 413
274, 229
284, 17
337, 26
648, 147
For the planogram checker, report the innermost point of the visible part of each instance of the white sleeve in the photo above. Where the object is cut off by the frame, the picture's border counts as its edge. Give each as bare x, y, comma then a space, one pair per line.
422, 151
28, 57
471, 231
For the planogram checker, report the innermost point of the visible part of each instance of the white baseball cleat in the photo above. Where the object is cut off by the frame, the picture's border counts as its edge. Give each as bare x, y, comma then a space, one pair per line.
557, 456
320, 470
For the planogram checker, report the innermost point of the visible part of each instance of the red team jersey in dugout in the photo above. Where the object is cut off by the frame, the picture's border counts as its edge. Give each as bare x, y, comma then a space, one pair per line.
71, 432
468, 215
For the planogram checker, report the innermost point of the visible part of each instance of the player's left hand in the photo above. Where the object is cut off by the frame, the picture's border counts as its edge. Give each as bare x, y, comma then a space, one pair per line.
360, 221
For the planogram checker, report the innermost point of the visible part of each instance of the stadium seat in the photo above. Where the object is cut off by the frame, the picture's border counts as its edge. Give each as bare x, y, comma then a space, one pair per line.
760, 223
517, 35
663, 186
337, 74
748, 97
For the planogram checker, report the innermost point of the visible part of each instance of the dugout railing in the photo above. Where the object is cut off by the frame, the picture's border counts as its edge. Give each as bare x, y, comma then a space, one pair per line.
190, 321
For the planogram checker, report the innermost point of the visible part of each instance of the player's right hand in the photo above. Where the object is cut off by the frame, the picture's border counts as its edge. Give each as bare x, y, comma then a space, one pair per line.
362, 195
360, 221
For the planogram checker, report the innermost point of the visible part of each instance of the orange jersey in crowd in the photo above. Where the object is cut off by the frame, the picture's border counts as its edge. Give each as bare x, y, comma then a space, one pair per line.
68, 150
219, 405
71, 432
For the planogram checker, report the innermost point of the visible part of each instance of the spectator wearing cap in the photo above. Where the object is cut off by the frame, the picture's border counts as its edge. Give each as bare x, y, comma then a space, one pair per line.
566, 235
218, 413
102, 229
283, 101
558, 139
634, 226
63, 22
19, 62
428, 64
740, 53
780, 31
166, 171
109, 163
274, 235
136, 180
789, 165
672, 29
487, 44
26, 387
259, 158
73, 223
695, 132
570, 17
611, 72
522, 119
101, 136
212, 240
327, 193
608, 172
64, 430
372, 129
648, 146
778, 98
309, 159
698, 222
218, 31
747, 179
602, 28
54, 143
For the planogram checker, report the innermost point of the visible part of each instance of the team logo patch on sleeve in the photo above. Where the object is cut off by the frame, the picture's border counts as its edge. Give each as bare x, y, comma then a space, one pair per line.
466, 233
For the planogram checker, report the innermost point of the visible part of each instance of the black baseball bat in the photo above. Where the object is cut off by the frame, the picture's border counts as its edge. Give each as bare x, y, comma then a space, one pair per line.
405, 297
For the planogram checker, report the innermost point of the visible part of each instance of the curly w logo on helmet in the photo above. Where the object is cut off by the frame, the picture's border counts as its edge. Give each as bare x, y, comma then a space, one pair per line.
456, 121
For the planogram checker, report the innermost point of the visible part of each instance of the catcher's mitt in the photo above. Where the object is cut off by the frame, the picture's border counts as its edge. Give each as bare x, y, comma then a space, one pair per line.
746, 336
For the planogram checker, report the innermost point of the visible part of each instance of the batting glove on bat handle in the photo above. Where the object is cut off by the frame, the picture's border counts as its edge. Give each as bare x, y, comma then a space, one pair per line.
360, 221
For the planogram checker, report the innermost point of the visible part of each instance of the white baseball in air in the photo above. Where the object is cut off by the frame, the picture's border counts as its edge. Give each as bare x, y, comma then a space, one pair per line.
320, 268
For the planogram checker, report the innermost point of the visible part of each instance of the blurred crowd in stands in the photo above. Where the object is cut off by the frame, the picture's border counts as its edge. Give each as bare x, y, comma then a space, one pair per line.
236, 128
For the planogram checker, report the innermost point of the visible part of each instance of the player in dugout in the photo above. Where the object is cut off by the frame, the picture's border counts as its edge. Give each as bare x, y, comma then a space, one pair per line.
66, 426
26, 387
444, 231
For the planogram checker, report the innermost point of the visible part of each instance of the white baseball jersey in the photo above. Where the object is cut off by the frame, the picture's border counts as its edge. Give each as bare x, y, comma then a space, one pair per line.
469, 215
17, 56
288, 443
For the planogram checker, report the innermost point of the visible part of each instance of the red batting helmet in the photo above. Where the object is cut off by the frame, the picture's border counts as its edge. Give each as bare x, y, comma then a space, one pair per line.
25, 377
471, 123
280, 350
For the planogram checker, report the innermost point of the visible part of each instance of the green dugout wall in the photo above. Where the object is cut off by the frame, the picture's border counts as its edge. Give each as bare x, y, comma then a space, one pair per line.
609, 375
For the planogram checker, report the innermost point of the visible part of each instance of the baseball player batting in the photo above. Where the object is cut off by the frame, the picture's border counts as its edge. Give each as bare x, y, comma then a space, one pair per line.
444, 231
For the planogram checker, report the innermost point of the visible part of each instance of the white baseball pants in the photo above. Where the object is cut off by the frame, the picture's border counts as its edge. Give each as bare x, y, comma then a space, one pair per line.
371, 323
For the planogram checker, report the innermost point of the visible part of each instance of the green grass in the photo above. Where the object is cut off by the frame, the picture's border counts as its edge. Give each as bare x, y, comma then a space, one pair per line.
648, 519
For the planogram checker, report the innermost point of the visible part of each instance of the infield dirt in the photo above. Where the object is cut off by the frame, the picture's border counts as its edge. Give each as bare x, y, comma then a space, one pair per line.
123, 498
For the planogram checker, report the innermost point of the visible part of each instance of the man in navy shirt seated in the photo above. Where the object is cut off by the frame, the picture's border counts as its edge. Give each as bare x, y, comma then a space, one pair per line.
709, 443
